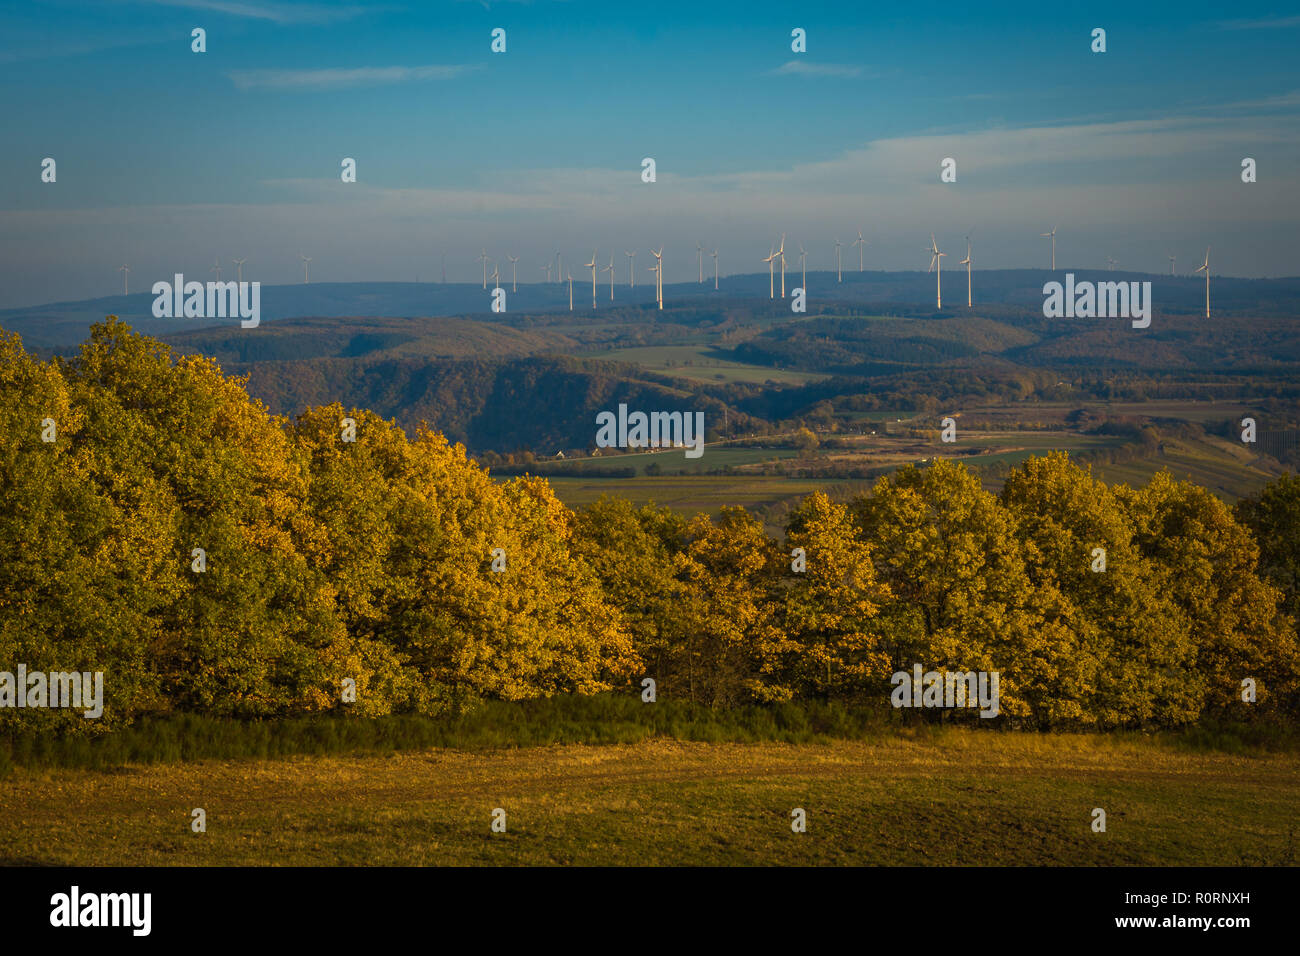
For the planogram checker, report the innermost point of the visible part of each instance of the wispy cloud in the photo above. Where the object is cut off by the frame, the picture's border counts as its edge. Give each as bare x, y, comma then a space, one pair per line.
42, 48
808, 68
1264, 23
337, 79
276, 12
1281, 101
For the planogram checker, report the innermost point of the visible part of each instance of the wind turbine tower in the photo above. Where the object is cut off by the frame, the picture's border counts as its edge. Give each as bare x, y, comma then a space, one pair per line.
781, 252
239, 269
1205, 267
631, 269
659, 275
126, 272
1052, 236
966, 262
514, 286
715, 270
936, 260
306, 268
610, 269
592, 266
860, 243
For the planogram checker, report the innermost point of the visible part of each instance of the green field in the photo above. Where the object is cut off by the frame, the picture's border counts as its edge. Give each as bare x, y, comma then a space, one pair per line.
704, 364
1231, 471
931, 797
674, 459
691, 494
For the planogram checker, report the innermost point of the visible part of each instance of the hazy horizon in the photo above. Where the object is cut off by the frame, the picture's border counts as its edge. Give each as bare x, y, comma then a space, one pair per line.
168, 159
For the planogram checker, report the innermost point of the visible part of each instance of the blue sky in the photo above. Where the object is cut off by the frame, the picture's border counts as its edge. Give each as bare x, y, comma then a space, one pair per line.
168, 159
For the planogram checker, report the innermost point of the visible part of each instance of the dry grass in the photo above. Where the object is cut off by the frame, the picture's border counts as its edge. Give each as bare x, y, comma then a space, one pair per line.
961, 797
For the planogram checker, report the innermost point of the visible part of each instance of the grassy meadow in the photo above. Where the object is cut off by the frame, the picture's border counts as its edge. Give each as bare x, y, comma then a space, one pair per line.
879, 795
1018, 801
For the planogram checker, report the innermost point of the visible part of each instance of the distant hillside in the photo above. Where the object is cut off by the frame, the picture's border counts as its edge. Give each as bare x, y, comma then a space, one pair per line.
317, 338
64, 324
534, 378
542, 404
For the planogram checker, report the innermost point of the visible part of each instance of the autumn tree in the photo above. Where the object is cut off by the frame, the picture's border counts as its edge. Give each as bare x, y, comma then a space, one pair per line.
184, 450
632, 551
829, 602
733, 649
1122, 654
1207, 563
962, 600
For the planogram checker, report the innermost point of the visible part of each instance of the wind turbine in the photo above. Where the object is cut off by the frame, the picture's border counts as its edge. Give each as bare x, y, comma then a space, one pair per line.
1051, 235
1205, 267
306, 268
657, 268
514, 287
631, 269
659, 275
861, 244
715, 270
547, 268
1172, 260
610, 269
216, 267
771, 273
936, 259
483, 256
966, 262
781, 252
559, 265
570, 291
699, 254
803, 271
839, 272
1111, 264
126, 272
239, 269
592, 266
495, 276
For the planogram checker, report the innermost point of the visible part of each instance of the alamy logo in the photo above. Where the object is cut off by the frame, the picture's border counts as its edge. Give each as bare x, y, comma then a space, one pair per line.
946, 689
215, 300
103, 909
55, 689
655, 430
1100, 300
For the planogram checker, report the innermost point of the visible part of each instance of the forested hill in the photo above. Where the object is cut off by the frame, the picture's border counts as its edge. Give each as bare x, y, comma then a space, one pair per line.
534, 378
542, 404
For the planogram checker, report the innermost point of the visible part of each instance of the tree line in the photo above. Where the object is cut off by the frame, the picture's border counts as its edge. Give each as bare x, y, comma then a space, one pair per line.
338, 548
